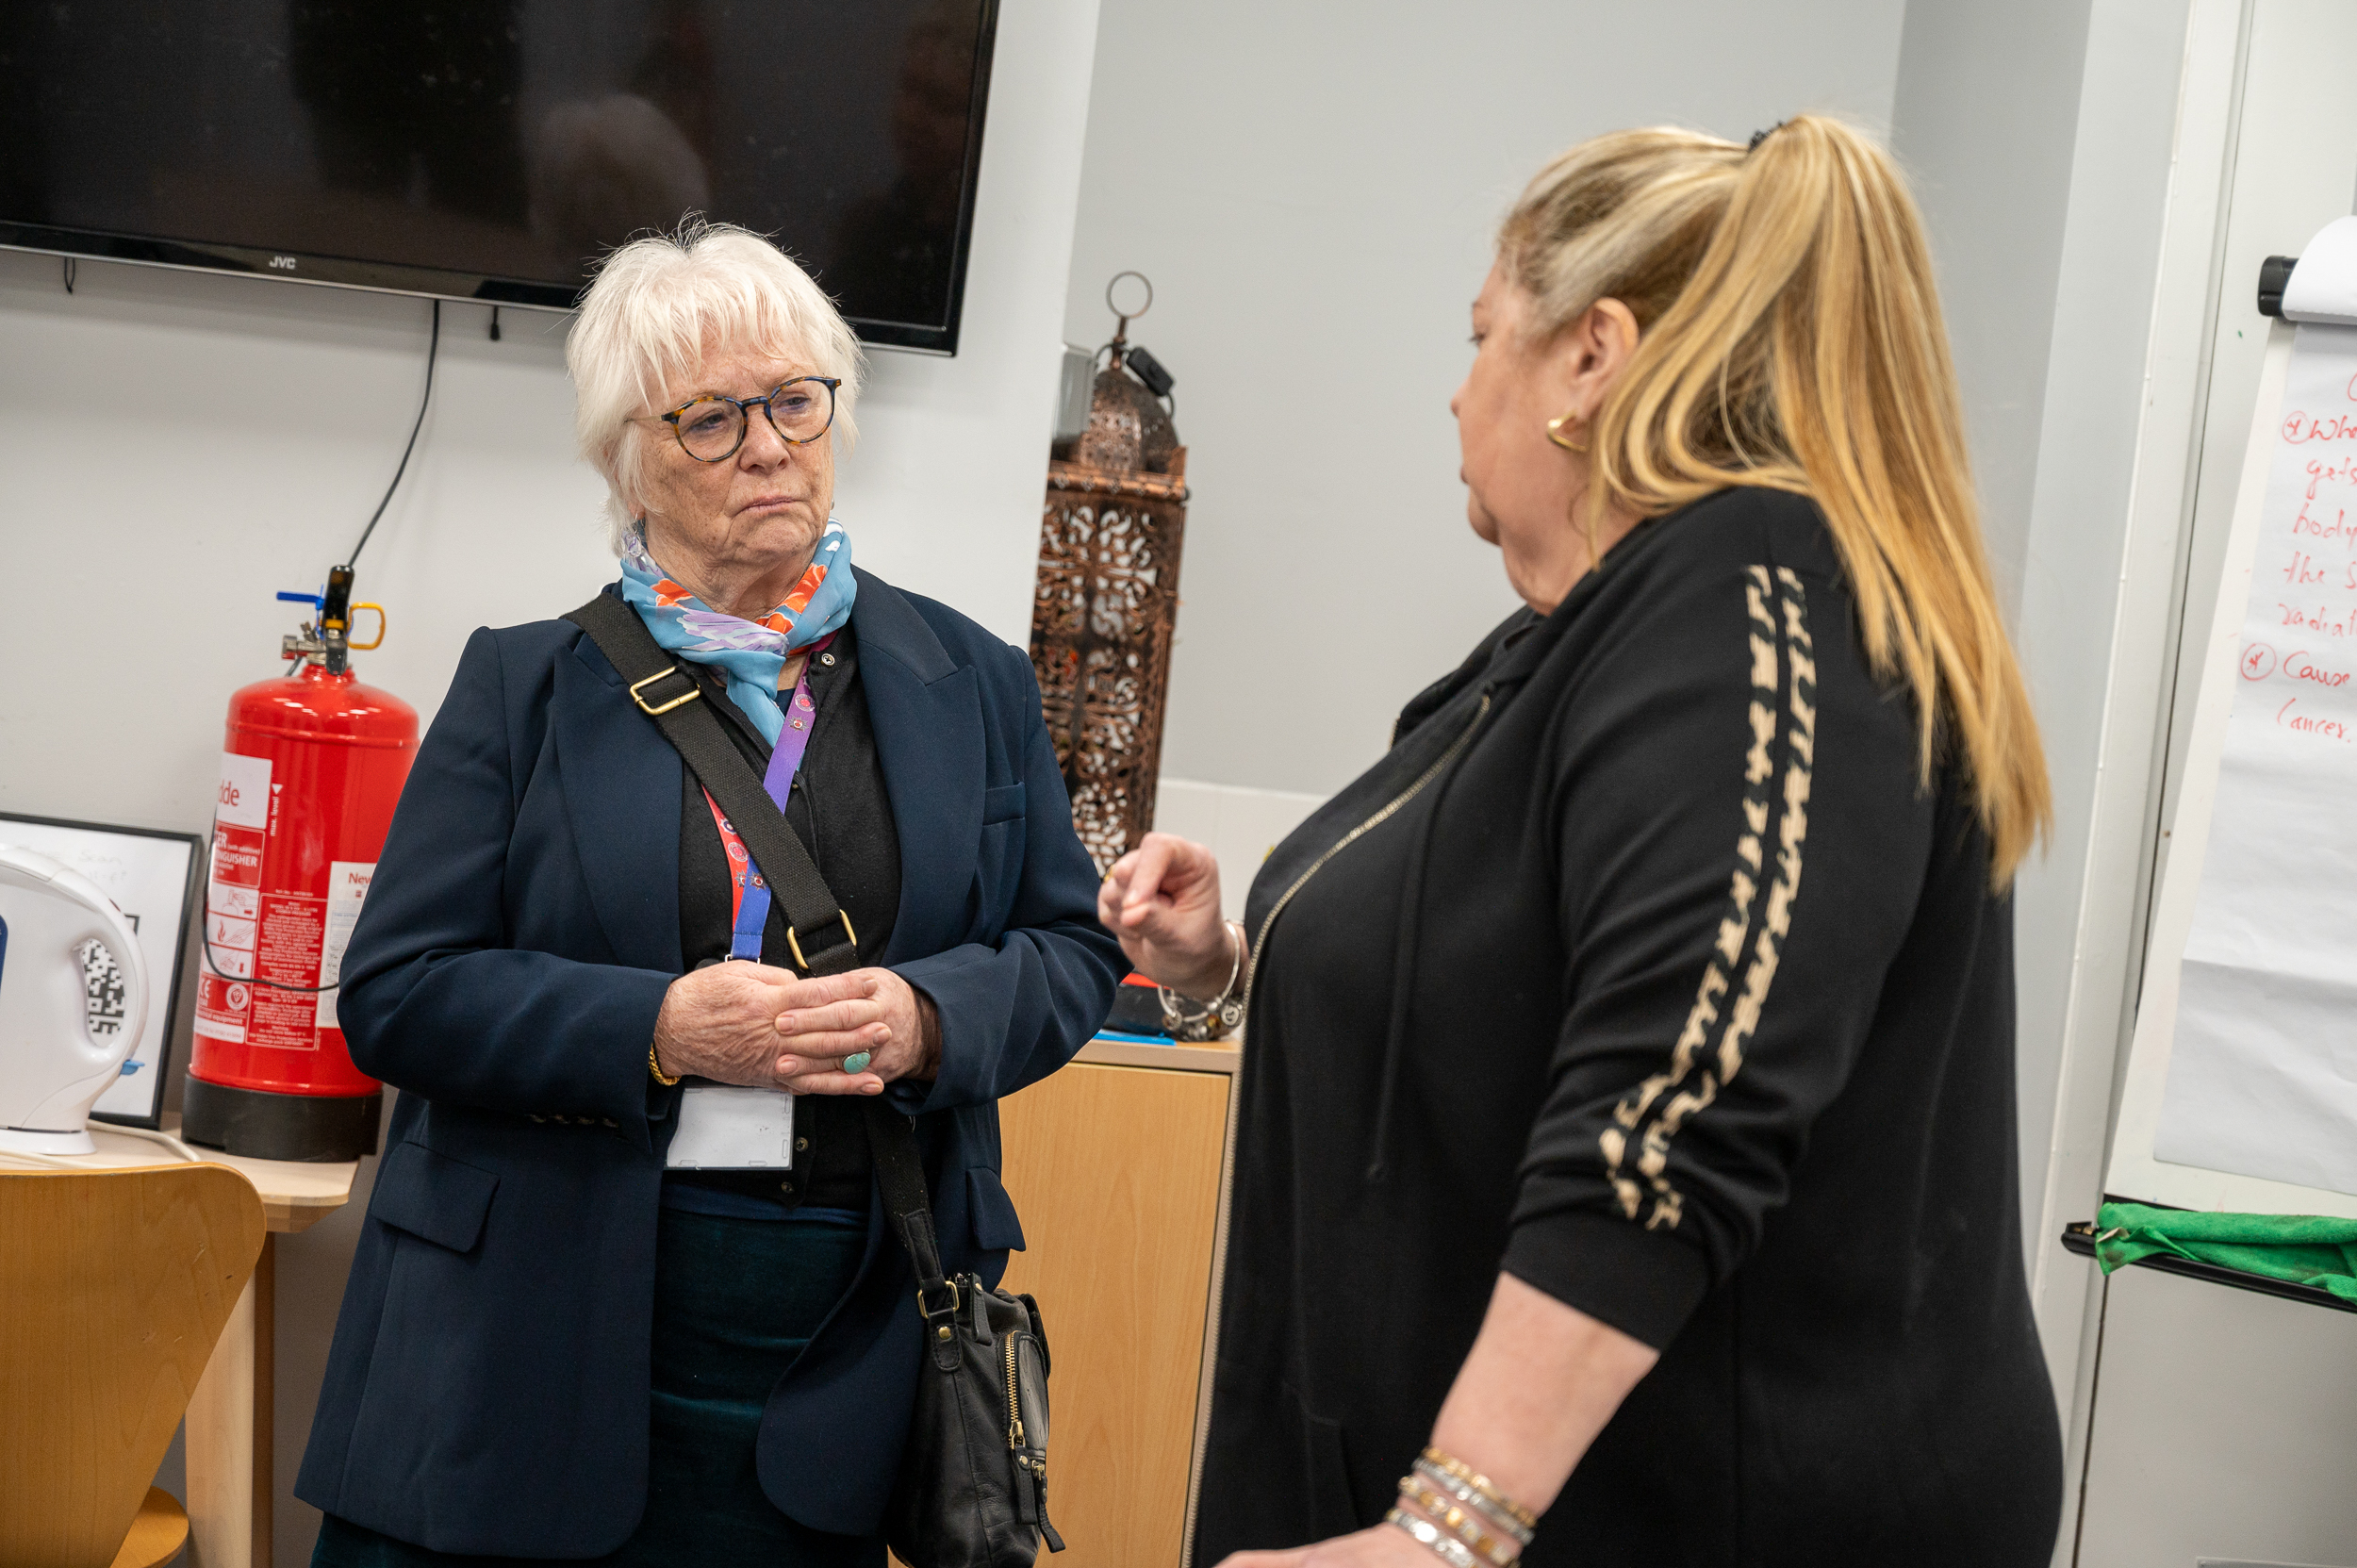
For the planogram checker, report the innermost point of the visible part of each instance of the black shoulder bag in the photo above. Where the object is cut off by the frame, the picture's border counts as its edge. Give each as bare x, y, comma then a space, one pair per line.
972, 1492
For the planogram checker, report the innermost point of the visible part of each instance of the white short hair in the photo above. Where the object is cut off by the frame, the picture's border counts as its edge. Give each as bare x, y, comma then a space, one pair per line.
662, 303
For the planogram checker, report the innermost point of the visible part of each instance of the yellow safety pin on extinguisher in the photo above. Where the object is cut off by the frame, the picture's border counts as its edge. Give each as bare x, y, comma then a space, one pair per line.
364, 647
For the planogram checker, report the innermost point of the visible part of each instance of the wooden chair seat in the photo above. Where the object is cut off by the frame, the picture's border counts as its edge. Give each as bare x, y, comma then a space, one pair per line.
159, 1533
114, 1286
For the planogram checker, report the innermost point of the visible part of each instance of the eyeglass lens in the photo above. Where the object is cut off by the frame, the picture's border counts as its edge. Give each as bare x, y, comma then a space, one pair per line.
713, 428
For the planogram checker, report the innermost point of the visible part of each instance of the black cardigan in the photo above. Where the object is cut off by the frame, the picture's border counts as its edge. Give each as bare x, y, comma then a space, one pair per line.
1653, 976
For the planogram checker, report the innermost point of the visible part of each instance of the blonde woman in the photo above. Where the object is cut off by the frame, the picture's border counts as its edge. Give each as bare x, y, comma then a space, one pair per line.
1627, 1130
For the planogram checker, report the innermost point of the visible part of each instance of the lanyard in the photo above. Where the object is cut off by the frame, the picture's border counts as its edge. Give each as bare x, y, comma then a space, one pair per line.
749, 890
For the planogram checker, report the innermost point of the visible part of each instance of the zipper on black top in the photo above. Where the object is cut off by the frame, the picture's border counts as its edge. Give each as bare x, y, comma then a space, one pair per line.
1252, 970
1390, 808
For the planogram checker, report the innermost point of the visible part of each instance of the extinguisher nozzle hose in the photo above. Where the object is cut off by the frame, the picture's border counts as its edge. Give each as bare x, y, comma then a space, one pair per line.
212, 958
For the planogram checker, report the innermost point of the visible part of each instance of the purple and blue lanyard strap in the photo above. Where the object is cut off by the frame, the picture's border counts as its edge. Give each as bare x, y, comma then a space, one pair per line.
749, 890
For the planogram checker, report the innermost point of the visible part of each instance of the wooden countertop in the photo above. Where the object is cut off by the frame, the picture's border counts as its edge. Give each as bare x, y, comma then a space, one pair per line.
1219, 1056
296, 1195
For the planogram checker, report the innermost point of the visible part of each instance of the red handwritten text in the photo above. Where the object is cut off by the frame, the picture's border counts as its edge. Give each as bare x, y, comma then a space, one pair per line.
2318, 619
2301, 667
2321, 472
2299, 428
2303, 572
2332, 728
2307, 524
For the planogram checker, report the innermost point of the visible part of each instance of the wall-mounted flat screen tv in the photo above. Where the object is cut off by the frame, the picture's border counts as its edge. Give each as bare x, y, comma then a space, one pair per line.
491, 149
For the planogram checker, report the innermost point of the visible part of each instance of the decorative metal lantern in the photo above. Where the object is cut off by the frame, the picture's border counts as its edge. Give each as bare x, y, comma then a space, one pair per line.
1106, 600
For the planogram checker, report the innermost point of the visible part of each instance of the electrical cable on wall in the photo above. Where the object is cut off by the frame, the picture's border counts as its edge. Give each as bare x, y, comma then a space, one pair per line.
433, 346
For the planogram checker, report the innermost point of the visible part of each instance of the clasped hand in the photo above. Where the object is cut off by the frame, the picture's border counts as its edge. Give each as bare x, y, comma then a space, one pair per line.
770, 1028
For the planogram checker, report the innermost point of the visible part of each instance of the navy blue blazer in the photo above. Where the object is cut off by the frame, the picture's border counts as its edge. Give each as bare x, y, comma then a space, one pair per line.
488, 1387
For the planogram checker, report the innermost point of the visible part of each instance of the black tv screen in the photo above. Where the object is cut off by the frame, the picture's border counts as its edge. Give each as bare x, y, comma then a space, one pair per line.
491, 149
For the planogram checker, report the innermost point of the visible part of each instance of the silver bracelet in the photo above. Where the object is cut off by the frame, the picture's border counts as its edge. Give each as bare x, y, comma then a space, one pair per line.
1472, 1498
1215, 1019
1429, 1535
1488, 1541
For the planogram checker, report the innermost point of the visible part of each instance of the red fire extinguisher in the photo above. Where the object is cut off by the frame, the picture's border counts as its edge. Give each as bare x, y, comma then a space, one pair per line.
310, 771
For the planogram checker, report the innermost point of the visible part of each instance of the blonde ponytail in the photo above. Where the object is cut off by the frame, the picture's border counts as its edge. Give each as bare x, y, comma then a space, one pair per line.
1790, 340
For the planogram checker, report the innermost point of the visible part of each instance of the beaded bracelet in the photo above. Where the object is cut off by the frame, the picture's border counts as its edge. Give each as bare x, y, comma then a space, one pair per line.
1429, 1535
1489, 1511
1458, 1469
1492, 1543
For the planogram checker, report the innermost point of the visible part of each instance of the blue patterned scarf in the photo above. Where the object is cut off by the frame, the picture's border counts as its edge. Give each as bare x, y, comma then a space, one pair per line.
748, 652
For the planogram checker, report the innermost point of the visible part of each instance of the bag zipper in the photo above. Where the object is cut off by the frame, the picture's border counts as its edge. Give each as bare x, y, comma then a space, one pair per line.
1015, 1407
1252, 971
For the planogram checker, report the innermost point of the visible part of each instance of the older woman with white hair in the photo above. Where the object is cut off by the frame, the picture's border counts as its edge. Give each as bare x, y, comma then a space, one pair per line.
591, 1315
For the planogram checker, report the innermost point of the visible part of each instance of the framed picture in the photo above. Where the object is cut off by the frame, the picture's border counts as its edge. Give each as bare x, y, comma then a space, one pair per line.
152, 877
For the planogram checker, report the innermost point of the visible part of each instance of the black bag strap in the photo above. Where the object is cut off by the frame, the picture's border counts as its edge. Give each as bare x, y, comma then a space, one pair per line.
666, 693
673, 698
900, 1177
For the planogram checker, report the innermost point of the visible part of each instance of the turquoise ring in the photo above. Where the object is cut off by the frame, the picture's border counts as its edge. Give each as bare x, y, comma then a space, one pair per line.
857, 1062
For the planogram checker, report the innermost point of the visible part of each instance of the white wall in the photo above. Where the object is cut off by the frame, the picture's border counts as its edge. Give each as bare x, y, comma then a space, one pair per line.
2106, 465
177, 446
2048, 222
1312, 189
1987, 118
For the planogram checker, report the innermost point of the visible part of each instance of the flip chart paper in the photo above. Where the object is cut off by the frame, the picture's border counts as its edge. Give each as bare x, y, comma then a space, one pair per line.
2323, 286
2263, 1074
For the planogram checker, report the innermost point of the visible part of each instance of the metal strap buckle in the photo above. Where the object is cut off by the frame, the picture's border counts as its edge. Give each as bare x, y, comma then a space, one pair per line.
923, 1311
796, 943
694, 691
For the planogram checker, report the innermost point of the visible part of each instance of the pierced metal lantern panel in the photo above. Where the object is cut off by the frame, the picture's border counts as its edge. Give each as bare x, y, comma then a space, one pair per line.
1105, 611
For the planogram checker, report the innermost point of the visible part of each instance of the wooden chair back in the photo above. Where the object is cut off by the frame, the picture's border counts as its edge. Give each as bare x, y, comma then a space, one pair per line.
114, 1287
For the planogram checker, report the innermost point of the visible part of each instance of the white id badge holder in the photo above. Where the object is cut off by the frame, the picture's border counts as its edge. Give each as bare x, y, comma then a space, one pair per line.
723, 1127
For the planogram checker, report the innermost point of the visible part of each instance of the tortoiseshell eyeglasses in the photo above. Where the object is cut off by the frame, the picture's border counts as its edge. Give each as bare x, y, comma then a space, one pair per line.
711, 428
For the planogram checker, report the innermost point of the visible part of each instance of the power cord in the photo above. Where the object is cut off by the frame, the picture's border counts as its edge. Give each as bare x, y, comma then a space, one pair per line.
153, 1136
433, 346
55, 1161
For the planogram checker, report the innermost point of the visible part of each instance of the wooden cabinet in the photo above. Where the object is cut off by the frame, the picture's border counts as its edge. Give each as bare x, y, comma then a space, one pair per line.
1119, 1166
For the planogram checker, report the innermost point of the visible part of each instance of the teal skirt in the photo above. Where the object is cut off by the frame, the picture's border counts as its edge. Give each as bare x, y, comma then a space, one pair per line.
736, 1301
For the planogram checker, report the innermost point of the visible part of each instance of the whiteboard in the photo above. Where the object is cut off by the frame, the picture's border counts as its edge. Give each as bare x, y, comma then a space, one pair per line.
2145, 1122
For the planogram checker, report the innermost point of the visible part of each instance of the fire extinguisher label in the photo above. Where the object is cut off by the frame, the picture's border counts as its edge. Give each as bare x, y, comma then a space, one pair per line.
347, 886
233, 898
257, 932
244, 801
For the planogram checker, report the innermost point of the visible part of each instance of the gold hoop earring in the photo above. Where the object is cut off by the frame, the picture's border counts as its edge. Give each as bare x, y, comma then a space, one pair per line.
1555, 433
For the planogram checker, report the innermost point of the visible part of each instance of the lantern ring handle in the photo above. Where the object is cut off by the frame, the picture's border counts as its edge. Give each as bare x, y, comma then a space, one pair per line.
1127, 316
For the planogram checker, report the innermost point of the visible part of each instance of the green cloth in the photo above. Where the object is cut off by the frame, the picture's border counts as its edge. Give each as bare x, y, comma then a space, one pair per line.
736, 1301
2305, 1249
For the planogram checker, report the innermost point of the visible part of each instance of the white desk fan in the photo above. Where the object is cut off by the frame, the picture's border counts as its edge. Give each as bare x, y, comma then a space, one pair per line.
53, 1067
